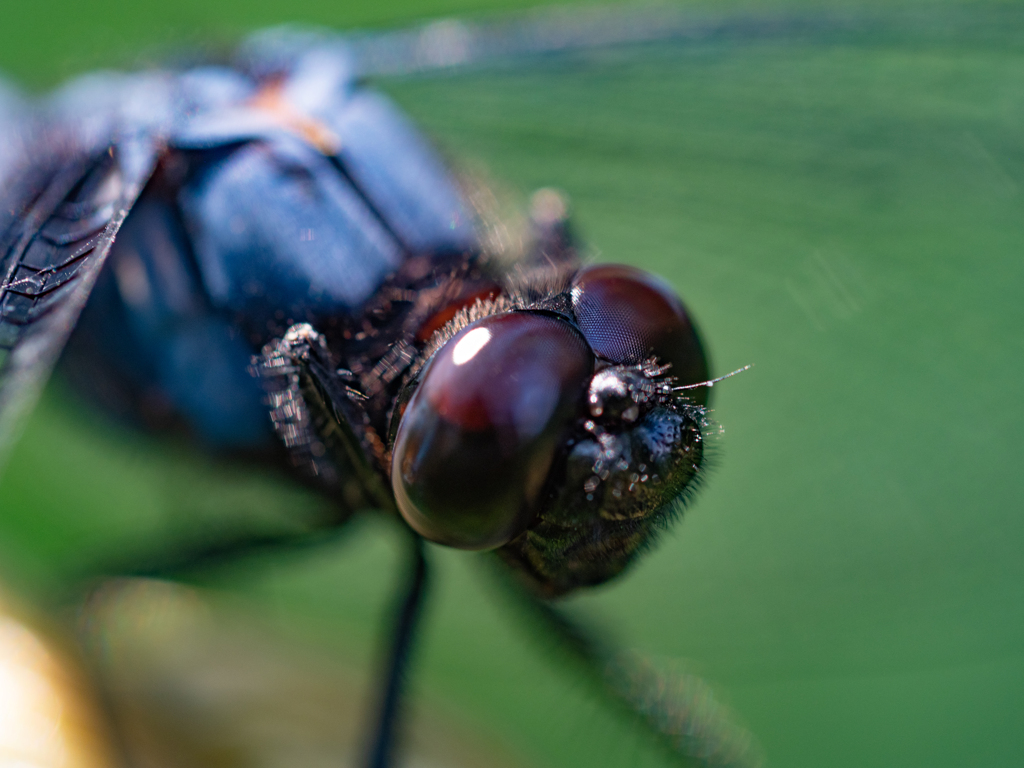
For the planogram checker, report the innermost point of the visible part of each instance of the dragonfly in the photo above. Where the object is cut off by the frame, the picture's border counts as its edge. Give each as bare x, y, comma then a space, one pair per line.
265, 255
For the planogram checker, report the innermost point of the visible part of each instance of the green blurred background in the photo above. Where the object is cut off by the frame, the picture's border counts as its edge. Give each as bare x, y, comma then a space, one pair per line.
842, 209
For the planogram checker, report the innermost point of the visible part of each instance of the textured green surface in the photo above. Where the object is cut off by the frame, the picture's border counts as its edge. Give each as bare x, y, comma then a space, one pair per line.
45, 40
846, 214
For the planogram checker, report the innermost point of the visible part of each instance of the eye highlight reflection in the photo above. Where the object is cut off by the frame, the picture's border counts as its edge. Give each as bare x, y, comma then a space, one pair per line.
466, 349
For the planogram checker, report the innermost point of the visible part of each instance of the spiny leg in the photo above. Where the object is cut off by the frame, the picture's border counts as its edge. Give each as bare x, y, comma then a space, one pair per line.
678, 710
187, 559
384, 733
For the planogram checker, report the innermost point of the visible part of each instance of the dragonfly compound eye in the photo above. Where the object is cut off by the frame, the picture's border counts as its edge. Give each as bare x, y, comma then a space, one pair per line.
628, 316
478, 437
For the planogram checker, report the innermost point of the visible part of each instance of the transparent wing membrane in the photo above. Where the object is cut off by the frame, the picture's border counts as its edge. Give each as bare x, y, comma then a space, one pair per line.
61, 222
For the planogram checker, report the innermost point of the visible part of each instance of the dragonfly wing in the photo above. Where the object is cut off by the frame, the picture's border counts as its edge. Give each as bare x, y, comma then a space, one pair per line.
58, 219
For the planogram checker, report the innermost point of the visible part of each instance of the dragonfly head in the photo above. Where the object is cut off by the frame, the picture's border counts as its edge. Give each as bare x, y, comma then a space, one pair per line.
562, 433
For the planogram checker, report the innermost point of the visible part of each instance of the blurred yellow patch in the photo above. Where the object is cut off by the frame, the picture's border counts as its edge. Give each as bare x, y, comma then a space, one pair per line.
46, 717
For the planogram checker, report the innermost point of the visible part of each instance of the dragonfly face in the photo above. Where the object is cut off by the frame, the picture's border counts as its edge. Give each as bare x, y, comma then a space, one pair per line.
551, 432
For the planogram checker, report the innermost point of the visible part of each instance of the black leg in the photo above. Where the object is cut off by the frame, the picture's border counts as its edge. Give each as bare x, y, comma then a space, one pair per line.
678, 710
188, 558
384, 732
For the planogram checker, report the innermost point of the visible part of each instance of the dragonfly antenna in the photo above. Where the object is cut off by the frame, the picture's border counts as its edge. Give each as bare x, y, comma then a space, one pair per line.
712, 382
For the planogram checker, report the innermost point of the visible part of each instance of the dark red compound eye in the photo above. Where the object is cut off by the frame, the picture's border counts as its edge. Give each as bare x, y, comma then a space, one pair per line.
476, 441
628, 315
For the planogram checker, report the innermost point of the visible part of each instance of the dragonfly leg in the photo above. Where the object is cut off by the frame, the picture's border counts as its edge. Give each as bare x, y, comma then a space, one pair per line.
207, 554
388, 715
678, 710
